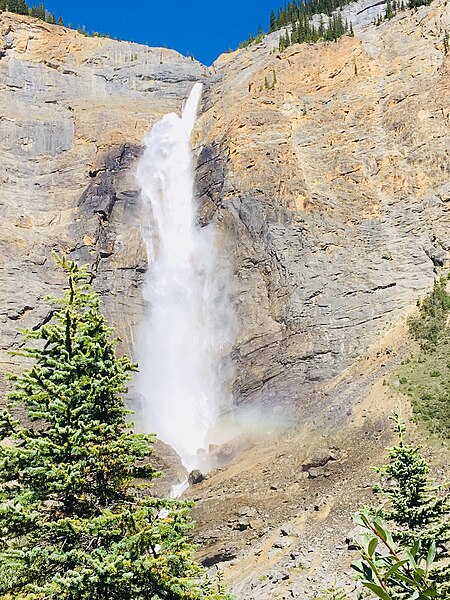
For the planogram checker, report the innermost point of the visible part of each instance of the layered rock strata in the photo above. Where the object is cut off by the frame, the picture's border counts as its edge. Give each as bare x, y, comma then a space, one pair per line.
325, 169
73, 113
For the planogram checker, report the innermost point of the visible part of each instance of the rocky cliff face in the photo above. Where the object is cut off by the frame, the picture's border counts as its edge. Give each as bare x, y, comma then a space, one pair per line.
73, 113
328, 166
326, 172
325, 169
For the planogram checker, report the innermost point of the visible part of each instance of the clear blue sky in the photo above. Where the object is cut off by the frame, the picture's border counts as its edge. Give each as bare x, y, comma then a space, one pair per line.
200, 27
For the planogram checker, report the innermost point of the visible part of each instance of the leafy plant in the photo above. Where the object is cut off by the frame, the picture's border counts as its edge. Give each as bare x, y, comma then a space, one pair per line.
390, 571
335, 593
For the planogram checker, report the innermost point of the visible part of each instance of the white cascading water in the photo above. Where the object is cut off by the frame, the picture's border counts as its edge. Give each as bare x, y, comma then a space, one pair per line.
188, 331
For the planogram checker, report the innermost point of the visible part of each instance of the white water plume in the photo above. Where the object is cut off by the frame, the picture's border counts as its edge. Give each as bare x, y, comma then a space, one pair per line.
187, 332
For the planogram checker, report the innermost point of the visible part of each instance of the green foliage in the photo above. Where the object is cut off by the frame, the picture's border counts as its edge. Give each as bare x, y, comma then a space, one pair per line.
21, 7
253, 39
304, 31
417, 3
334, 593
391, 571
418, 508
297, 10
75, 523
426, 376
40, 12
299, 14
389, 10
410, 560
426, 379
431, 322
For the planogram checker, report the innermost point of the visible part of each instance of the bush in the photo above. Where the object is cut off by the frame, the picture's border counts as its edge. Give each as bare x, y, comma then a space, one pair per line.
431, 322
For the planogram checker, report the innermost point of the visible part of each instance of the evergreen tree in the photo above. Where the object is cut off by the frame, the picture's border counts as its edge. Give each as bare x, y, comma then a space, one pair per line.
73, 525
418, 509
416, 506
12, 5
389, 10
22, 7
40, 12
60, 21
51, 19
272, 22
321, 29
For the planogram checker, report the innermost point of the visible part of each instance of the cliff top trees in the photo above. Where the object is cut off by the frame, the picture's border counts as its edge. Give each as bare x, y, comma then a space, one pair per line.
21, 7
72, 523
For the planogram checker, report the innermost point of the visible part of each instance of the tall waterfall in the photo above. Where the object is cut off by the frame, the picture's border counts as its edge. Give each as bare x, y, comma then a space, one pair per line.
187, 330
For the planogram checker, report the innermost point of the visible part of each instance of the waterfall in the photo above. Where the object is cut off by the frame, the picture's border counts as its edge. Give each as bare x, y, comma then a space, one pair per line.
187, 330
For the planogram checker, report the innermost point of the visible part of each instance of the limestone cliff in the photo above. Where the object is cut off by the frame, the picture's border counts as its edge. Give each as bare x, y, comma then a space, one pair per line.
73, 113
325, 169
327, 166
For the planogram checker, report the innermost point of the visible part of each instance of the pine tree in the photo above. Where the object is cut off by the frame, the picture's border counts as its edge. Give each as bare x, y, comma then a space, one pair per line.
22, 7
40, 12
73, 525
61, 21
418, 509
272, 22
389, 10
321, 30
12, 5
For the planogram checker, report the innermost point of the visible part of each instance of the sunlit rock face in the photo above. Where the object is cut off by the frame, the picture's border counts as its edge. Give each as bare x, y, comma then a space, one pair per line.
333, 191
328, 186
74, 111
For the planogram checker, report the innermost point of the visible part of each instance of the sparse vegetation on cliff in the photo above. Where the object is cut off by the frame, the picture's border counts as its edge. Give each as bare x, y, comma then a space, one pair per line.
305, 31
298, 16
296, 10
75, 521
425, 376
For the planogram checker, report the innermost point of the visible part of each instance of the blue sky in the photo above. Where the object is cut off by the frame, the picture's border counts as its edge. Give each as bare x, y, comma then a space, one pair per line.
204, 28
